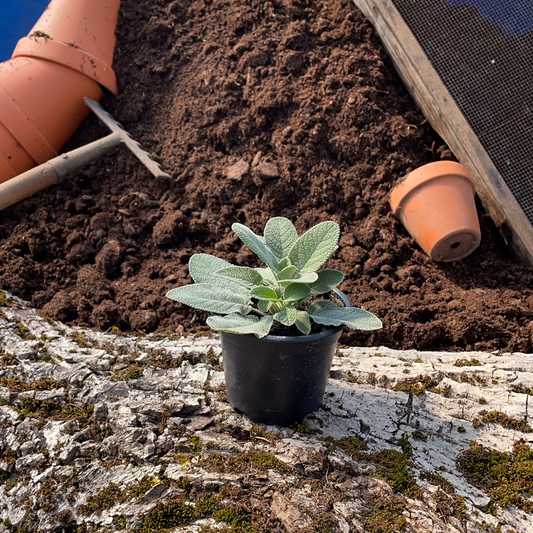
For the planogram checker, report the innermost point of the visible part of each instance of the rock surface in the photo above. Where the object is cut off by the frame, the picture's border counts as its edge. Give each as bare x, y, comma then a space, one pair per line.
106, 432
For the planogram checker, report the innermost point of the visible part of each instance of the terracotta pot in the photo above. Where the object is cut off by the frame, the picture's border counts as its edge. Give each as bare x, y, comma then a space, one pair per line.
66, 56
436, 205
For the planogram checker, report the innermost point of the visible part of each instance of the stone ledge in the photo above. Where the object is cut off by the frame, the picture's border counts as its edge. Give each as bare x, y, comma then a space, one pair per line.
104, 429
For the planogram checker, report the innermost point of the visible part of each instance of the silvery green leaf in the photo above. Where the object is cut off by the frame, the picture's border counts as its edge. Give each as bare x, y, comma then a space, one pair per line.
202, 266
264, 293
288, 272
256, 244
212, 298
328, 314
327, 280
264, 305
287, 316
308, 278
284, 263
302, 322
296, 291
267, 275
241, 325
280, 235
242, 275
314, 247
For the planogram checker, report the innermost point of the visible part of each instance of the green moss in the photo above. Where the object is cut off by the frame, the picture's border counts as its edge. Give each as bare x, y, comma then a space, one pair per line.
8, 359
303, 427
82, 341
119, 522
507, 477
323, 523
96, 503
55, 410
416, 385
242, 463
445, 390
112, 494
211, 358
267, 461
134, 372
167, 515
233, 516
16, 384
467, 362
4, 475
131, 372
351, 445
22, 331
260, 433
178, 512
385, 516
8, 455
163, 359
391, 465
138, 490
506, 421
473, 379
5, 301
195, 445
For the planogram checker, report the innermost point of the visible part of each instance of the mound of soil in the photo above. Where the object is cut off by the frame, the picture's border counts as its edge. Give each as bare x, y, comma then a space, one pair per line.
257, 108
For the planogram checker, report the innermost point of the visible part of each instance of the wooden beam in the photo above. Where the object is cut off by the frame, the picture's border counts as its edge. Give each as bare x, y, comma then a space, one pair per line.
435, 101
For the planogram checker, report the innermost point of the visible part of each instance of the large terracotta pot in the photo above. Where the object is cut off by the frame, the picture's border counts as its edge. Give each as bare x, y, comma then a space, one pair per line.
436, 205
66, 56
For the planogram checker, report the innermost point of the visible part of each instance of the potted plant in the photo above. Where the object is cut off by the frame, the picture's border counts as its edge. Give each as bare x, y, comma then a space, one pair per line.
275, 378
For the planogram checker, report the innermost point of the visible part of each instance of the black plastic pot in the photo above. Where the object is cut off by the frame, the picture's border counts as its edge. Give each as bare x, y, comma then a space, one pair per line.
278, 380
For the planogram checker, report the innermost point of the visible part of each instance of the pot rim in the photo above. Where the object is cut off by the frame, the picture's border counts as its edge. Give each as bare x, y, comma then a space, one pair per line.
414, 180
292, 339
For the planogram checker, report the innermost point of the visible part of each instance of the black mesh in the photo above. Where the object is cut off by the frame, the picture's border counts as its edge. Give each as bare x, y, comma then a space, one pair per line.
484, 56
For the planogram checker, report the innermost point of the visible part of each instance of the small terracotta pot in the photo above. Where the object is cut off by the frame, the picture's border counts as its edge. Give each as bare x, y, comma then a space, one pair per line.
66, 56
436, 205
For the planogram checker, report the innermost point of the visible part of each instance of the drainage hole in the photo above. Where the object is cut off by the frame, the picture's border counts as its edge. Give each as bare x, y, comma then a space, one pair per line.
455, 245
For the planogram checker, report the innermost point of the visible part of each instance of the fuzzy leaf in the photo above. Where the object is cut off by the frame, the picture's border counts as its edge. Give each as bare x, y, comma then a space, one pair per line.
296, 291
202, 266
264, 305
327, 313
284, 263
241, 324
242, 275
314, 247
212, 298
264, 293
267, 275
288, 272
280, 235
256, 244
308, 278
287, 316
327, 280
303, 322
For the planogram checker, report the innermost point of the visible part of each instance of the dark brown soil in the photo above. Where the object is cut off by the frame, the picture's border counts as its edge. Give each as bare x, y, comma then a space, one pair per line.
257, 108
